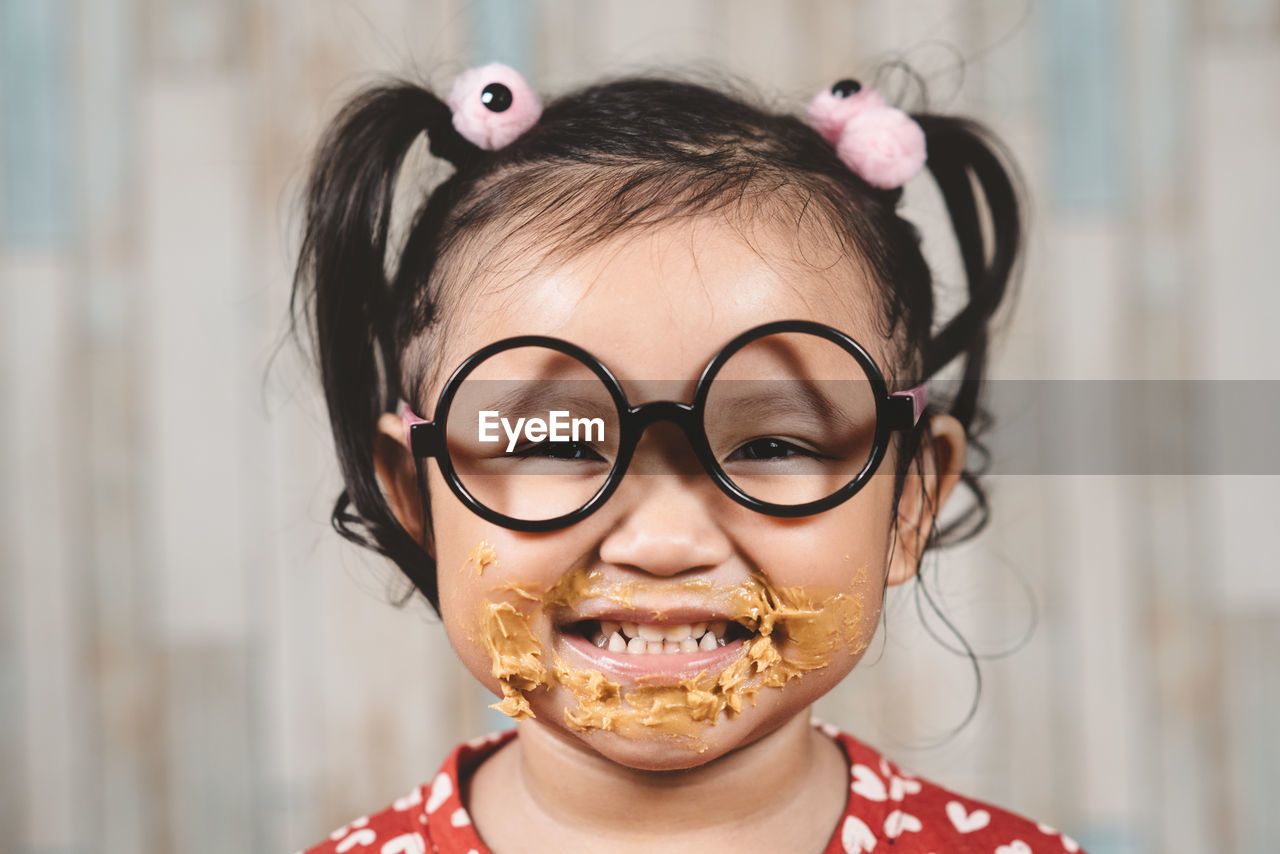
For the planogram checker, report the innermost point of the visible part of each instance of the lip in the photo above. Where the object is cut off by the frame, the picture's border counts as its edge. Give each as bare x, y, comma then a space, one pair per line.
657, 616
654, 607
649, 667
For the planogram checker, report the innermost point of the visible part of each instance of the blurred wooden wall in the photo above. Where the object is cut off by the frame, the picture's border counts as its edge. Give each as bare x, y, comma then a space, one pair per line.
191, 660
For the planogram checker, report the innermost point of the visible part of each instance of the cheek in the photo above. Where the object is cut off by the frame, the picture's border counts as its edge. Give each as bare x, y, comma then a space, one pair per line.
465, 567
479, 563
833, 550
842, 551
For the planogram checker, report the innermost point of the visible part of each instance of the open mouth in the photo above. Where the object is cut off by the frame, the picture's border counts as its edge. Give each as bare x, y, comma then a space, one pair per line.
669, 660
628, 638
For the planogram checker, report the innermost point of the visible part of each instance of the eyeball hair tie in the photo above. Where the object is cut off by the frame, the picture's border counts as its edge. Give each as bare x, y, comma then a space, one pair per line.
882, 144
492, 105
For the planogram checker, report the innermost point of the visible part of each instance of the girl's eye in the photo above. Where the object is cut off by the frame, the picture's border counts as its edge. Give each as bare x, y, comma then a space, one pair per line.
560, 451
769, 449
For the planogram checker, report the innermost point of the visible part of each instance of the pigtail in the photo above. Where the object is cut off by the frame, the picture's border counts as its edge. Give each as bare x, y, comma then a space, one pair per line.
973, 172
341, 291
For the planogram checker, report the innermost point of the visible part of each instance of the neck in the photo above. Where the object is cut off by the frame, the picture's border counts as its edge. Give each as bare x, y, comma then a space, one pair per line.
573, 787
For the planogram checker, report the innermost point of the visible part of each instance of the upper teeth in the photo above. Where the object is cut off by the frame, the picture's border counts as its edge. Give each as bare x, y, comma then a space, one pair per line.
647, 638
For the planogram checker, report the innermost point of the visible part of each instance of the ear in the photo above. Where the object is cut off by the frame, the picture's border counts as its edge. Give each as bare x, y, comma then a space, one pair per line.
933, 474
398, 476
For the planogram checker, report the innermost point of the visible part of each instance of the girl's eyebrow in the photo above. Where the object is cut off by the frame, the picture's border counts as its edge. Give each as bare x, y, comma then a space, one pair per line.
532, 396
789, 396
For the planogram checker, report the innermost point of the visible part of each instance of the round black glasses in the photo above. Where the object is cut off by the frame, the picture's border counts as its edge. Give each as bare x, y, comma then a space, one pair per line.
789, 419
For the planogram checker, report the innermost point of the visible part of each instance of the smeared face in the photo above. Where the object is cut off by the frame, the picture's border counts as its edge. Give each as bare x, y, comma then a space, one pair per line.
672, 625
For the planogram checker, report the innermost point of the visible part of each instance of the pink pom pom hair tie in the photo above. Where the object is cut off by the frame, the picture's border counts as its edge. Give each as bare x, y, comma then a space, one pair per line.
492, 105
882, 144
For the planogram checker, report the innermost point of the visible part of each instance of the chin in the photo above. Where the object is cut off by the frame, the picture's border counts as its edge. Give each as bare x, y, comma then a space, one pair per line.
657, 750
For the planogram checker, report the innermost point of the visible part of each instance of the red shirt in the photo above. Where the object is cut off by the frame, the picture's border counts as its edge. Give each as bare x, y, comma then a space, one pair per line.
887, 806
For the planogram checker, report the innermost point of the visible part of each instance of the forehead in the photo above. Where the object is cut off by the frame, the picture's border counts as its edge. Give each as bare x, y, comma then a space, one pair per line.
657, 303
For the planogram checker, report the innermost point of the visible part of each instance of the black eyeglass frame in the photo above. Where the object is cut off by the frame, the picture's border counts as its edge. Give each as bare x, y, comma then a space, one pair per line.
894, 411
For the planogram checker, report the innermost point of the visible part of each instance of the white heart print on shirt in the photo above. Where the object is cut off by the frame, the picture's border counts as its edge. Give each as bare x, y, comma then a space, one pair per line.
868, 784
406, 843
409, 801
900, 787
899, 822
1017, 846
856, 837
966, 822
363, 837
347, 828
1067, 842
441, 789
901, 784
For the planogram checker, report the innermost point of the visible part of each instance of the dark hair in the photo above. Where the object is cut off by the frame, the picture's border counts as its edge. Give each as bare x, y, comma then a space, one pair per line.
625, 154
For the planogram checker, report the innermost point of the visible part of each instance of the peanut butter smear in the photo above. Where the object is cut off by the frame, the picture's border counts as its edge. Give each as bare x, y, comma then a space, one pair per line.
795, 630
482, 554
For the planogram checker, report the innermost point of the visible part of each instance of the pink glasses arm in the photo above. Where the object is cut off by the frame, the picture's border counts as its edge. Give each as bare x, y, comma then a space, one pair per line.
918, 400
409, 418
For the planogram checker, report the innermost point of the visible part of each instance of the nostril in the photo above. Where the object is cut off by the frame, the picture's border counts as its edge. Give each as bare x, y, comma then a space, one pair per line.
668, 524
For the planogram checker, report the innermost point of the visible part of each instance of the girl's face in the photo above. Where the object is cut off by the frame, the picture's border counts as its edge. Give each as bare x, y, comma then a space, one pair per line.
669, 548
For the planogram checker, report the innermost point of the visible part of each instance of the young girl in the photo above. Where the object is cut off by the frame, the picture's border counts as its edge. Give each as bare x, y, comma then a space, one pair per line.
638, 407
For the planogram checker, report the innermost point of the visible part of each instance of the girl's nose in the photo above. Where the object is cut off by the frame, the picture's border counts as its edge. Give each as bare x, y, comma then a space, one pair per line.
666, 527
